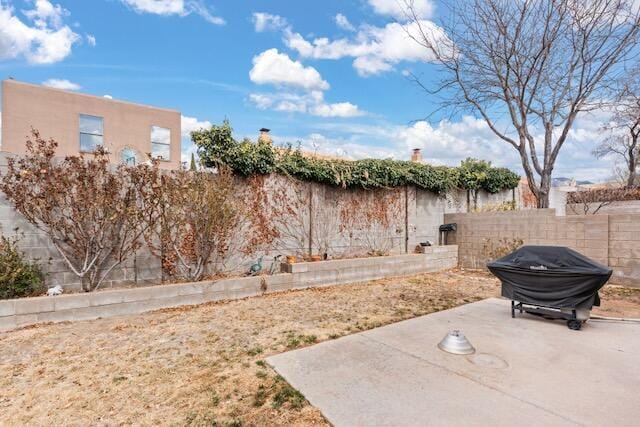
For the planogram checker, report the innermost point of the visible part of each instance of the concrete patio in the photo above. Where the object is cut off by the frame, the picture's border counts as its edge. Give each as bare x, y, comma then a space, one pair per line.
525, 370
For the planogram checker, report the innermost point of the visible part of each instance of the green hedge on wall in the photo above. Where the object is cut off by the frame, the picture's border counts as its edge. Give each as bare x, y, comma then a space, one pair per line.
216, 146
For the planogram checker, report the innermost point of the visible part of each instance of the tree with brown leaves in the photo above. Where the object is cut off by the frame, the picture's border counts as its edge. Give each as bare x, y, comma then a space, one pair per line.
202, 222
95, 214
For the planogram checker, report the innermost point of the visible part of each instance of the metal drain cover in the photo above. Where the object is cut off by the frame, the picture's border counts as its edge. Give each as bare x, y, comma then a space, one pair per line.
456, 343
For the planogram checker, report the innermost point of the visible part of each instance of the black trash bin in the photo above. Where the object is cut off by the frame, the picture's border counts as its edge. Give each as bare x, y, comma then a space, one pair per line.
551, 281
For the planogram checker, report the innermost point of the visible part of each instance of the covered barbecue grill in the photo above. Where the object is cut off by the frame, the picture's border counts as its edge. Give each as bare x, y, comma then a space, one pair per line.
551, 281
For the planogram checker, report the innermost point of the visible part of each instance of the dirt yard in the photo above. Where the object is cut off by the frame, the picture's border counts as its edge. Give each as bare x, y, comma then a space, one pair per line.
204, 365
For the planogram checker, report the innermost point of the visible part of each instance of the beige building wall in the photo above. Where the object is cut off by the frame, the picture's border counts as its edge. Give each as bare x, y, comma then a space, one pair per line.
56, 114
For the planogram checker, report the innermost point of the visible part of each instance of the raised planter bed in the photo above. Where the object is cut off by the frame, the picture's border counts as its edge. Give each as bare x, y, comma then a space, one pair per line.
108, 303
342, 271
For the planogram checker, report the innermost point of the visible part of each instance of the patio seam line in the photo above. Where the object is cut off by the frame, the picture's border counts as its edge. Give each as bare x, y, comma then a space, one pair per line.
472, 380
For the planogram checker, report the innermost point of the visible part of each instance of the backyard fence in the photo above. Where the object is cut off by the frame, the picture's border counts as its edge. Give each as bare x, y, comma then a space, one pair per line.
611, 239
115, 302
310, 218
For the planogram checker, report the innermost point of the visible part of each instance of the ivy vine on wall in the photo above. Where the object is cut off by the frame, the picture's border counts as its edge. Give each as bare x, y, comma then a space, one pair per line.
216, 146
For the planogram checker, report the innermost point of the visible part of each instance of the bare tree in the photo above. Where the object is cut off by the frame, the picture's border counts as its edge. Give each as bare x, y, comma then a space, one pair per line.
529, 67
624, 129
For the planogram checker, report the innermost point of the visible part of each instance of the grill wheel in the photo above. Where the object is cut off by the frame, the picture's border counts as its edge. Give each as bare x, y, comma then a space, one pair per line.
575, 325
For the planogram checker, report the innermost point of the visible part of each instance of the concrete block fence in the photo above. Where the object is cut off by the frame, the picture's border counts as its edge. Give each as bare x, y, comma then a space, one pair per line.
108, 303
422, 213
611, 239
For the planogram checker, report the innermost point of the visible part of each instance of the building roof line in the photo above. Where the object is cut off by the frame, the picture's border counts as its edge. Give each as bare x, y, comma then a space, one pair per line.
12, 81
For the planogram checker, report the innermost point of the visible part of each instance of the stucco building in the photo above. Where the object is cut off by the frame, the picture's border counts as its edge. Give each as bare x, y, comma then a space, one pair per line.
79, 123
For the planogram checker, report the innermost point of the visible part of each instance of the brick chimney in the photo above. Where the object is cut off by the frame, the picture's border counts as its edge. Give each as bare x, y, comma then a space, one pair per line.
416, 155
264, 136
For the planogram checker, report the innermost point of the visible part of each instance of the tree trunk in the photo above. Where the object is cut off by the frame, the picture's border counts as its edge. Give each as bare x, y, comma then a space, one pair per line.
86, 283
631, 180
544, 190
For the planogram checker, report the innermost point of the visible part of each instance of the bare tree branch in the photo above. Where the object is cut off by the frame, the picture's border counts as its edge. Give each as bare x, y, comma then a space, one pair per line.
540, 63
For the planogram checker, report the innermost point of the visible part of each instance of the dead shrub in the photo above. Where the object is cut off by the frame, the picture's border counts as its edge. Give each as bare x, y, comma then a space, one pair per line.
95, 214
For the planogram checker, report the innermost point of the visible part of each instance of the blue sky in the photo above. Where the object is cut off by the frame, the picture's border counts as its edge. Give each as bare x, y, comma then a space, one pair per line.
329, 74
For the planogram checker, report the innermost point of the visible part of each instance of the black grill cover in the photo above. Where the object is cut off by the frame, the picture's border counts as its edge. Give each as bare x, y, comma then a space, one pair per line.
551, 276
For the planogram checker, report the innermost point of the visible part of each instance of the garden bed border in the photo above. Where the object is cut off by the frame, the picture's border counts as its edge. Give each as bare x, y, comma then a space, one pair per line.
108, 303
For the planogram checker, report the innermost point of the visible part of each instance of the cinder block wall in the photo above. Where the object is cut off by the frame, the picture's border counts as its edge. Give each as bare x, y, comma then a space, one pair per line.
624, 247
144, 268
425, 213
83, 306
612, 240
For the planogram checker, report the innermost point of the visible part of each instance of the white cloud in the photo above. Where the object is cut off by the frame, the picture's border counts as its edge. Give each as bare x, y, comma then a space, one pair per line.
344, 147
399, 9
343, 22
311, 103
42, 40
46, 14
339, 109
283, 101
273, 67
63, 84
199, 8
175, 7
277, 69
443, 143
289, 106
448, 142
323, 48
91, 40
107, 96
375, 49
261, 101
370, 65
159, 7
190, 124
268, 22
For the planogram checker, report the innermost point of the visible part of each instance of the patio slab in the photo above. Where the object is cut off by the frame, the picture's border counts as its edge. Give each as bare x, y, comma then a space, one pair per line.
525, 370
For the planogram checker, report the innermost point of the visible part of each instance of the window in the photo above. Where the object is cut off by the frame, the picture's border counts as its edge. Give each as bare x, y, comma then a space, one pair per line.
91, 132
129, 156
160, 143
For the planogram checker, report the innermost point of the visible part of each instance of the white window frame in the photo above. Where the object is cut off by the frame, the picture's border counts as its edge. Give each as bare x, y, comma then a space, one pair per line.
165, 144
101, 135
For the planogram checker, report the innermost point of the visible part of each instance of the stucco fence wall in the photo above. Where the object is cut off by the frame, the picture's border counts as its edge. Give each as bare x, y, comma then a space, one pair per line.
611, 239
418, 220
109, 303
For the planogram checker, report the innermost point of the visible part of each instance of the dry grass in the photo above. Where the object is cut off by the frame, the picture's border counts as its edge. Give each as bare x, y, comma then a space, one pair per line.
619, 301
204, 365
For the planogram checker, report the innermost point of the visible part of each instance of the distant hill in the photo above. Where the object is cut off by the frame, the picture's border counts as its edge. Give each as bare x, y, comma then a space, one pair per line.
562, 181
